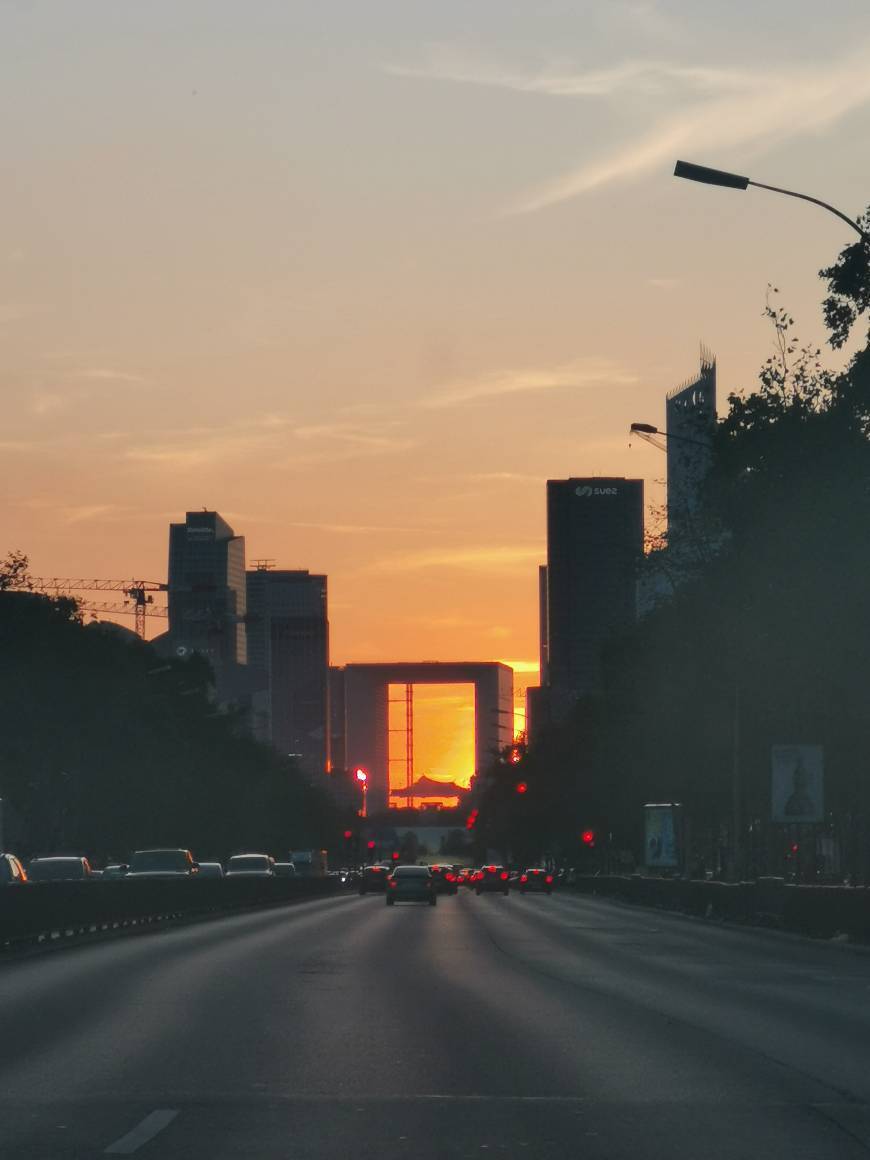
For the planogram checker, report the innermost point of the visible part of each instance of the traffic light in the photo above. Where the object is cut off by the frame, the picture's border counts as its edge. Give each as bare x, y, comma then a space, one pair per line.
522, 787
394, 856
348, 834
588, 839
471, 820
370, 845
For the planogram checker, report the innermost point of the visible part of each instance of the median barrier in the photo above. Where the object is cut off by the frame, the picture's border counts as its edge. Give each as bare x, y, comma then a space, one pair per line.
816, 911
40, 911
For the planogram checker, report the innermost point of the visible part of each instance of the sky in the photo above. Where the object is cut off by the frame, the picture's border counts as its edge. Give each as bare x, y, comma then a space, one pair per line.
361, 276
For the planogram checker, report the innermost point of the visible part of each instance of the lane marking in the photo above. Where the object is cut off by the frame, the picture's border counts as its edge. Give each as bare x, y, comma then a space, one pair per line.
143, 1132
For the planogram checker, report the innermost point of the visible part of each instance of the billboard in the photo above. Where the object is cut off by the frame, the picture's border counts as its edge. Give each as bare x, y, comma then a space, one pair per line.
661, 835
797, 784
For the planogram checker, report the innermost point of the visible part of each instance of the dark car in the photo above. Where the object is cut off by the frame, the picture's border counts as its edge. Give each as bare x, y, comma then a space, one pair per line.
12, 873
59, 869
536, 879
444, 879
490, 878
116, 870
411, 884
162, 864
374, 880
284, 870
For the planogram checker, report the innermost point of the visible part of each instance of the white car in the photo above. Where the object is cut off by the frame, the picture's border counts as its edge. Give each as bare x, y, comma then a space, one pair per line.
251, 866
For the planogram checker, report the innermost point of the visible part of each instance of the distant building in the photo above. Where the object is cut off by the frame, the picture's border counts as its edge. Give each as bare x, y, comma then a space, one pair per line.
288, 639
207, 597
594, 548
690, 416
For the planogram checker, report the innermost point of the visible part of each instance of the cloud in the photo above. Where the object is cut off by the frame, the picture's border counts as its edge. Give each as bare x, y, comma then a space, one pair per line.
87, 512
769, 109
592, 372
108, 375
271, 438
446, 63
495, 558
710, 112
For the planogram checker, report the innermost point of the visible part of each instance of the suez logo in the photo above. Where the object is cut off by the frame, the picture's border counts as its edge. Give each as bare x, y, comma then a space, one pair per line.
587, 490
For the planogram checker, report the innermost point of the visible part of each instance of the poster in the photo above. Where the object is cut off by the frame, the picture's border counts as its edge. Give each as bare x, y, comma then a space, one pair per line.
797, 784
661, 835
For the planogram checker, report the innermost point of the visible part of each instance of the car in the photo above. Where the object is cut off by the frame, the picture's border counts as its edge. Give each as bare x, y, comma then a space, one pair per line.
411, 884
12, 873
490, 878
444, 879
536, 879
251, 866
59, 868
374, 879
211, 870
115, 870
284, 870
162, 864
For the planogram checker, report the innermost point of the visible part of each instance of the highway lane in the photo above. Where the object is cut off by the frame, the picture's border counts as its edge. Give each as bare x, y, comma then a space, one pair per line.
539, 1027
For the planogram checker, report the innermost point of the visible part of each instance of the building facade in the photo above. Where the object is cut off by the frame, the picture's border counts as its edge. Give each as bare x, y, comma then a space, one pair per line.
207, 591
690, 416
288, 640
594, 548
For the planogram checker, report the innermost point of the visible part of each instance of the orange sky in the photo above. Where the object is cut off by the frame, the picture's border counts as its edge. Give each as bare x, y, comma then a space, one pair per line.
363, 285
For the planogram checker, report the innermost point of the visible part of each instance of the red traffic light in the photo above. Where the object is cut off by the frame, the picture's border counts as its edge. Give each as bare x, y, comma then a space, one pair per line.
588, 837
522, 787
471, 821
370, 844
395, 855
348, 834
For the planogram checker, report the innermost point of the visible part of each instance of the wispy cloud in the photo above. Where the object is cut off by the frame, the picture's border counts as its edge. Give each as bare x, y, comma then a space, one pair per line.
495, 558
593, 372
273, 439
446, 63
708, 111
108, 375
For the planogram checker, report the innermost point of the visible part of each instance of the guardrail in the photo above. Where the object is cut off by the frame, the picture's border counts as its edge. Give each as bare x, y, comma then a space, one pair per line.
39, 911
817, 911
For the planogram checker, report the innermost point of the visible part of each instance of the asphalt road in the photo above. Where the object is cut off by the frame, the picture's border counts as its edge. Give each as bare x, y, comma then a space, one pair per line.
522, 1027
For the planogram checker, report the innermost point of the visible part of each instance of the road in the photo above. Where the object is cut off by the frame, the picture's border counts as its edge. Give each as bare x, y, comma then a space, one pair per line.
519, 1027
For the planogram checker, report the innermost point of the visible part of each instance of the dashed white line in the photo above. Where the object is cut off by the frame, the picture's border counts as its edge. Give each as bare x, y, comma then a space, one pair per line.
143, 1132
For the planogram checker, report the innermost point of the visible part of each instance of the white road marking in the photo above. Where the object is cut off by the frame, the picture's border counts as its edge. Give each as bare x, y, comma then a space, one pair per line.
143, 1132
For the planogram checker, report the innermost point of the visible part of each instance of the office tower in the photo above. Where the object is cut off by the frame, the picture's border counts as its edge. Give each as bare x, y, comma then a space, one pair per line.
288, 639
207, 601
594, 547
690, 415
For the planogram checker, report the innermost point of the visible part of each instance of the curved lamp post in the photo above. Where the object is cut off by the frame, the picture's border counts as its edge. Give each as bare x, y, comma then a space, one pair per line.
734, 181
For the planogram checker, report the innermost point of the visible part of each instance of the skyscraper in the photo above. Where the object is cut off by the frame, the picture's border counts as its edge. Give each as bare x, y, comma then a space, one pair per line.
594, 545
207, 600
288, 638
690, 415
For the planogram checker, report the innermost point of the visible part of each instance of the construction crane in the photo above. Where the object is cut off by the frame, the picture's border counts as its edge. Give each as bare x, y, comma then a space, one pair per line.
139, 599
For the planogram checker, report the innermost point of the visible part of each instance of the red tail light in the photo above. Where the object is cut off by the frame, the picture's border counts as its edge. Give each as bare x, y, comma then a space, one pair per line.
504, 876
450, 877
392, 885
524, 878
549, 878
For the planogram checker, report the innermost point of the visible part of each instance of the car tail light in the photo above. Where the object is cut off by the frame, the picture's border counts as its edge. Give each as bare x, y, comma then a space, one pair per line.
504, 875
524, 878
549, 878
450, 877
392, 885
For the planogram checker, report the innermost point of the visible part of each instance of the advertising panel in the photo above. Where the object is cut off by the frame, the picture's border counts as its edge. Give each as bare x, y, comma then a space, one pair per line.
797, 784
661, 835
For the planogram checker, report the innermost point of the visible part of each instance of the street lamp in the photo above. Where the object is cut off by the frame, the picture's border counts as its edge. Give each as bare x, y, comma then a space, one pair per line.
363, 781
708, 176
647, 430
